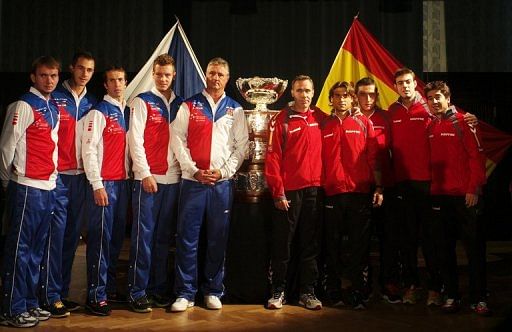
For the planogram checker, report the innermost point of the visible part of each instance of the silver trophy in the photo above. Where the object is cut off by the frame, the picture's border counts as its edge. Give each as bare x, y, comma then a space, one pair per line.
260, 91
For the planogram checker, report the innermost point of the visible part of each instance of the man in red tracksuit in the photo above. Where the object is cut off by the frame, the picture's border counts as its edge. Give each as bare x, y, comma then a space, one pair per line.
293, 170
350, 173
410, 149
385, 223
458, 173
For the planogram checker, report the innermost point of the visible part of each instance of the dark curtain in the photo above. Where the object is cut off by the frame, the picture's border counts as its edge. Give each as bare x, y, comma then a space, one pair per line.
478, 35
116, 32
287, 38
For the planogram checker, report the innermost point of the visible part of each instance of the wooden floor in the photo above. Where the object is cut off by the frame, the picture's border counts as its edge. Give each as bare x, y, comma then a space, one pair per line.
380, 316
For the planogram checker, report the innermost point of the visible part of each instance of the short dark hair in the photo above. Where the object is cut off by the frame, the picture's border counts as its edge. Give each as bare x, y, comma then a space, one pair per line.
81, 54
403, 71
346, 85
438, 85
113, 68
303, 78
366, 81
163, 60
47, 61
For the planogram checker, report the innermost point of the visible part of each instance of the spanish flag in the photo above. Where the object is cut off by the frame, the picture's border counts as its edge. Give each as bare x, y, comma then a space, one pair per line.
361, 55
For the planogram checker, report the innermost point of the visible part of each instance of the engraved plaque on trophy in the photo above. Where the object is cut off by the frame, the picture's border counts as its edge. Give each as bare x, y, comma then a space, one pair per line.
250, 185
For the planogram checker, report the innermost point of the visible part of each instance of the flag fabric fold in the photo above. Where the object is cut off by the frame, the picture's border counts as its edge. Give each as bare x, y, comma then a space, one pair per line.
362, 55
189, 79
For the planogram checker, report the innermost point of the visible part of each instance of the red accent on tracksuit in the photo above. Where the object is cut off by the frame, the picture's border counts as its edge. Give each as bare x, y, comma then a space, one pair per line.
200, 135
409, 140
294, 152
382, 127
349, 155
72, 109
458, 164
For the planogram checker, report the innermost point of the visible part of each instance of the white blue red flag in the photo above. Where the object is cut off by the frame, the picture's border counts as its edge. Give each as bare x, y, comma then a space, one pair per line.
189, 75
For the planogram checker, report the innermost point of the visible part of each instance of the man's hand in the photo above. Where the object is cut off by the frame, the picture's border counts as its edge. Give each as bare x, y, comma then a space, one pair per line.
356, 111
471, 200
378, 198
101, 197
282, 204
149, 184
471, 119
208, 177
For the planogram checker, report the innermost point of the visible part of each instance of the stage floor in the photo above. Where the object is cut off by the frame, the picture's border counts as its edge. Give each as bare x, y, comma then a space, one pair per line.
380, 316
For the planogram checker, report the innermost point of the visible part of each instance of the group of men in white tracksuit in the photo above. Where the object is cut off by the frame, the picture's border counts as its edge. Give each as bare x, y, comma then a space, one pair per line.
203, 139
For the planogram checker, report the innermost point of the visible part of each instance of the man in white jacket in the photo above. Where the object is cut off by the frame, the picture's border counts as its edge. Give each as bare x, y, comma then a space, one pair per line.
210, 139
105, 155
156, 188
28, 166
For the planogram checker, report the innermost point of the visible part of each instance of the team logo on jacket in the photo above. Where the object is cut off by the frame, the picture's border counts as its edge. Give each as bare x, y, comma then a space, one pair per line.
229, 111
89, 126
62, 102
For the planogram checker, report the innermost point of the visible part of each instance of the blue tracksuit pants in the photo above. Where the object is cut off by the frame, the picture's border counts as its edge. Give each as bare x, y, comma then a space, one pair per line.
30, 211
154, 219
209, 205
105, 238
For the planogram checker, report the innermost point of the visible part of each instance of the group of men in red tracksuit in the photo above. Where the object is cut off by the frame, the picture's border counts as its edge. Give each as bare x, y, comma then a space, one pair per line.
417, 170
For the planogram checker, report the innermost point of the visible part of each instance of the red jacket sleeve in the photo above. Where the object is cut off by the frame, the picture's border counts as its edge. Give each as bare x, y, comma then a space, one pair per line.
372, 147
273, 158
476, 159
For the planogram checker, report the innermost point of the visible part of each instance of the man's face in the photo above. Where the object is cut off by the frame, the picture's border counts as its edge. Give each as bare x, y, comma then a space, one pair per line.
45, 79
367, 97
405, 86
163, 77
437, 102
115, 84
302, 93
341, 100
82, 71
217, 77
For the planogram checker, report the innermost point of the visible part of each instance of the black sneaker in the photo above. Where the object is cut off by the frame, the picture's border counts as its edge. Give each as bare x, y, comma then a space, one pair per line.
335, 298
159, 301
57, 309
141, 304
450, 306
356, 300
116, 298
98, 308
20, 320
70, 305
391, 293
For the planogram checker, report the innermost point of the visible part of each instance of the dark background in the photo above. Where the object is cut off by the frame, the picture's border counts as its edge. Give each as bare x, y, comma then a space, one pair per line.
276, 38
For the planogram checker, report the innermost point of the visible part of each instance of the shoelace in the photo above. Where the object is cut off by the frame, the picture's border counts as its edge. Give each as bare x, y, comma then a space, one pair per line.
277, 296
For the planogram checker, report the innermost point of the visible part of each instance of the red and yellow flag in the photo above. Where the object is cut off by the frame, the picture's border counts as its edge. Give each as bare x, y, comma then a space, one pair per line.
361, 55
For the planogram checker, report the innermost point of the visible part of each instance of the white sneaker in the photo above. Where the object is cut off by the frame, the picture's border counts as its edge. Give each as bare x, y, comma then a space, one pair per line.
212, 302
181, 304
276, 301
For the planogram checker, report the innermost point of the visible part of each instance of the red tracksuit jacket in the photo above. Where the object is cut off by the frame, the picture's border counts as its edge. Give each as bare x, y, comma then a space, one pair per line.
293, 160
382, 127
409, 140
349, 155
458, 164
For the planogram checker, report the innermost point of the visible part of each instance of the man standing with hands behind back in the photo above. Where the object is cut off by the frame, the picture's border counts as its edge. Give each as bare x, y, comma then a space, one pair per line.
210, 139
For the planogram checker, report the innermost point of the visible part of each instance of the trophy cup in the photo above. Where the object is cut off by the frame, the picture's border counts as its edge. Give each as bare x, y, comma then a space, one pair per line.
250, 185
